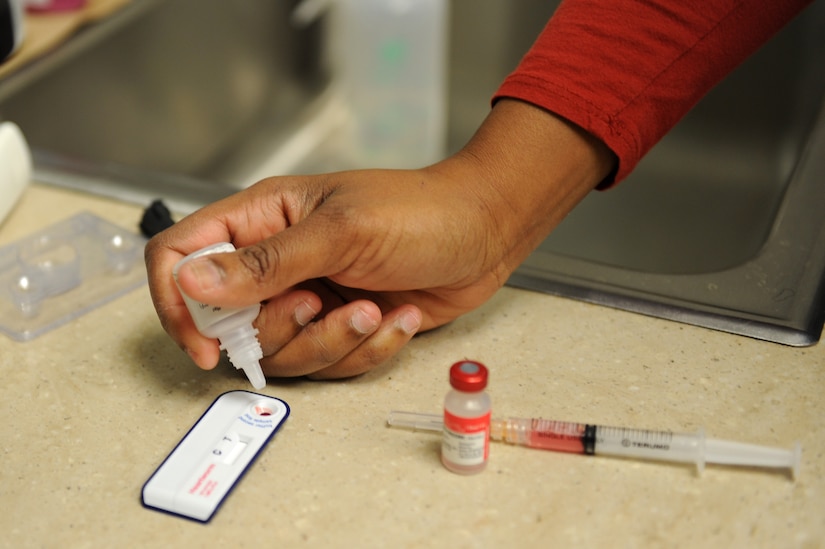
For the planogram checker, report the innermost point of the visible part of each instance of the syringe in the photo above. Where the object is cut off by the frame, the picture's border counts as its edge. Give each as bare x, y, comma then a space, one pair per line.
581, 438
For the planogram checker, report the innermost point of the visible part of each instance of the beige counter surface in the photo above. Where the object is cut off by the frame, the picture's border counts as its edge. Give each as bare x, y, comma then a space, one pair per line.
89, 411
43, 32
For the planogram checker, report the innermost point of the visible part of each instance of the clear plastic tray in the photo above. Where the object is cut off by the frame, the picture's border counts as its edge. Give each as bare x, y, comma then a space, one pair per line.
65, 271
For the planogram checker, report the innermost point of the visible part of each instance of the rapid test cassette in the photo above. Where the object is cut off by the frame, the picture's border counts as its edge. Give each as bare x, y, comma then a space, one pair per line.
200, 472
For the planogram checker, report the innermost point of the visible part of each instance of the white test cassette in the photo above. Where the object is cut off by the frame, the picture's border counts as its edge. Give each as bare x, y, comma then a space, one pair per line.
199, 473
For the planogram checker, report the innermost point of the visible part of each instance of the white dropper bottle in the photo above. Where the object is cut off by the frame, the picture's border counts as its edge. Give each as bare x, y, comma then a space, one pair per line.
232, 327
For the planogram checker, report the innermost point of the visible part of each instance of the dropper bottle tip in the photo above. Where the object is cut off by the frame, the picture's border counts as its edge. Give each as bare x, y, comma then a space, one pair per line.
244, 351
255, 374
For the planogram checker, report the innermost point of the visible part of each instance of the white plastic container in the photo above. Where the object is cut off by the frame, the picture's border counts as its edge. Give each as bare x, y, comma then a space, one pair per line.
15, 166
232, 327
390, 62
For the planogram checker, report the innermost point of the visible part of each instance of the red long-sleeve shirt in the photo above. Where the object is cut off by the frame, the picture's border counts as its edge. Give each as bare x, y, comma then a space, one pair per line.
627, 70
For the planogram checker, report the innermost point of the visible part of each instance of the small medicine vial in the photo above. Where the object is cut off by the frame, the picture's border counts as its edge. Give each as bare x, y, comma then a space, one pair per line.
465, 443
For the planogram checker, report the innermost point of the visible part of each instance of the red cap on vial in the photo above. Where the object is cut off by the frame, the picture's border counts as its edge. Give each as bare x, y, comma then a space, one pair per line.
468, 376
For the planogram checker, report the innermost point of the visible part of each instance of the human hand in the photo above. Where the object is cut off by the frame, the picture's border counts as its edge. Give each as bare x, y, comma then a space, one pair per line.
377, 255
351, 265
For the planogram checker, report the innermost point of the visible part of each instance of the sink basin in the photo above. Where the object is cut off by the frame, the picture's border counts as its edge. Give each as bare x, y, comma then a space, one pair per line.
720, 226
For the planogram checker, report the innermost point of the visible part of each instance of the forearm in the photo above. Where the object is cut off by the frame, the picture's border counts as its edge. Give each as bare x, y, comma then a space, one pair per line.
628, 70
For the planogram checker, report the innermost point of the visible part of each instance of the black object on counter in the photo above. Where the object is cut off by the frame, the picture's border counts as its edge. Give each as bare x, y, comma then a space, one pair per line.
155, 219
11, 27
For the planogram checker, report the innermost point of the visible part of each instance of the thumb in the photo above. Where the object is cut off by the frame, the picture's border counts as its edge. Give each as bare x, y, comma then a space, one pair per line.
258, 272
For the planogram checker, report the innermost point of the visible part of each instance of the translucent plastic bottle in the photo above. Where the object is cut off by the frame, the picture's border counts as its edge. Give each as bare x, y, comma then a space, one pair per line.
465, 444
390, 59
231, 326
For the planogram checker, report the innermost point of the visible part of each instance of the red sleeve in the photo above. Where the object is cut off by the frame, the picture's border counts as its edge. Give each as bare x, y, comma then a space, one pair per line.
628, 70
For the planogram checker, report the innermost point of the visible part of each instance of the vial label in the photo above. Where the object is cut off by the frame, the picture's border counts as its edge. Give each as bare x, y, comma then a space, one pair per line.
466, 440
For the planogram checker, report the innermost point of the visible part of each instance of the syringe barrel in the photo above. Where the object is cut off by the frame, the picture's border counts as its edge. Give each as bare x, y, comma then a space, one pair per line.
653, 445
559, 436
514, 431
580, 438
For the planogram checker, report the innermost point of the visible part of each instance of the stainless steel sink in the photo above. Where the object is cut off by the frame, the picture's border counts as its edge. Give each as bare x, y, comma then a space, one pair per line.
720, 226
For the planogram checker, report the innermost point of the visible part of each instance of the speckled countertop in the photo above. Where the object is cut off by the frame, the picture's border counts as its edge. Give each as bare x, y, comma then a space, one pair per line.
89, 411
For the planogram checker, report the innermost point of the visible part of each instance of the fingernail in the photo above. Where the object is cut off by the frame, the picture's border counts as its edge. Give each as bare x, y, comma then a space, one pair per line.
409, 322
207, 273
304, 313
362, 323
